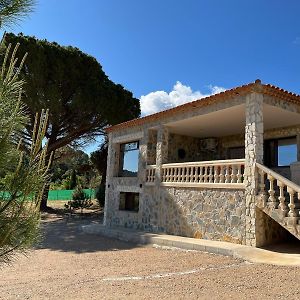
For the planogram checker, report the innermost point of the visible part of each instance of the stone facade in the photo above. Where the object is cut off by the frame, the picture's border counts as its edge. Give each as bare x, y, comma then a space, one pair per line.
268, 231
224, 214
195, 149
151, 147
214, 214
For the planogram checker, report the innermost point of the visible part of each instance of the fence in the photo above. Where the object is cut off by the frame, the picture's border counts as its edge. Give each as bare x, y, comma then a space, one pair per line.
56, 194
67, 194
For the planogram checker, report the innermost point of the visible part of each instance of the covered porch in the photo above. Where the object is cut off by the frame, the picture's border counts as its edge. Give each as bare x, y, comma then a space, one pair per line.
213, 148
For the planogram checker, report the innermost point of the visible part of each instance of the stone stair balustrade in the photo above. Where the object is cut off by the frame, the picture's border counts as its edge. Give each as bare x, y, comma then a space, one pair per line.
279, 198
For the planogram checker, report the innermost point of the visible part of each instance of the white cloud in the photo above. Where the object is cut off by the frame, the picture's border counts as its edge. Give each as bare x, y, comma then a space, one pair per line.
161, 100
297, 40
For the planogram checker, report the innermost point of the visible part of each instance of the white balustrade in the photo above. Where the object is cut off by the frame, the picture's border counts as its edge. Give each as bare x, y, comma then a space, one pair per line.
219, 174
150, 174
287, 199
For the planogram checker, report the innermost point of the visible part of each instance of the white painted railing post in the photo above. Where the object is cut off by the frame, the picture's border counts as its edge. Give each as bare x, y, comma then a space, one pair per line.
262, 188
271, 200
282, 183
291, 205
281, 198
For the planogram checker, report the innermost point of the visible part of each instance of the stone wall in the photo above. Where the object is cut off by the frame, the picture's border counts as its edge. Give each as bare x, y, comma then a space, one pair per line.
268, 231
214, 214
204, 213
151, 147
187, 143
194, 149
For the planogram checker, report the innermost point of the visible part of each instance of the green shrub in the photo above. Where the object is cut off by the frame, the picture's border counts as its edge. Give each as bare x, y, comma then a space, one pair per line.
79, 200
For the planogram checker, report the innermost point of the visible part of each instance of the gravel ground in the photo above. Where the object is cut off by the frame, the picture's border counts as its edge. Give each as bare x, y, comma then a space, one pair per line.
71, 265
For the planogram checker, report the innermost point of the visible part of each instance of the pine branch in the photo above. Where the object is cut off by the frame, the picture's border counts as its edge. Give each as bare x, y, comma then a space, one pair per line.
13, 11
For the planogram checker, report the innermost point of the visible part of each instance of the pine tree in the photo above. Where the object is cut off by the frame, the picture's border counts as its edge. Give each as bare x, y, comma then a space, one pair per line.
23, 166
12, 11
23, 174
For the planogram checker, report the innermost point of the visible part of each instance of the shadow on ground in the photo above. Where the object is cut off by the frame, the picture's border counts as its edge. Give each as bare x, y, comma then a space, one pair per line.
289, 244
65, 234
287, 247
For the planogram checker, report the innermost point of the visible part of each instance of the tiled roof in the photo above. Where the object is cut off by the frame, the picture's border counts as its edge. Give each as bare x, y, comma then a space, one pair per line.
256, 86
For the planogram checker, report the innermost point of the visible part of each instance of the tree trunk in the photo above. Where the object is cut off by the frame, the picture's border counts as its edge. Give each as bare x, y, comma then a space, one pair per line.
43, 205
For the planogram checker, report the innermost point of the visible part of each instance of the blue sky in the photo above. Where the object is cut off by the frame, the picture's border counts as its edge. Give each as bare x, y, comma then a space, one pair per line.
189, 48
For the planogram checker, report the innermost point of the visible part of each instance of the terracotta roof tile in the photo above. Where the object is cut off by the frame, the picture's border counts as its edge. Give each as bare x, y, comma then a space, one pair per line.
257, 86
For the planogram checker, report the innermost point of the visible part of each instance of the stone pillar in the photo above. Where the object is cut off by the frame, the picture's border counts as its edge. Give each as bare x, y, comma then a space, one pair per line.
143, 142
161, 150
109, 176
142, 157
295, 166
151, 146
254, 140
298, 147
161, 158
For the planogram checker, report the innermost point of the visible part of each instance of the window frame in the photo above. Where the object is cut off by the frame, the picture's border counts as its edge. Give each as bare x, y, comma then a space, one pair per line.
122, 152
129, 202
271, 159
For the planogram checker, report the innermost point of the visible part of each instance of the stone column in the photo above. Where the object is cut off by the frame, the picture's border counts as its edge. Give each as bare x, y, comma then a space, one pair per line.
161, 158
298, 147
254, 140
161, 150
295, 166
109, 176
142, 157
143, 142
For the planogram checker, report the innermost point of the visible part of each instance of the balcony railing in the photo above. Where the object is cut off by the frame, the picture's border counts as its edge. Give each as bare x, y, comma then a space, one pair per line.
150, 174
217, 174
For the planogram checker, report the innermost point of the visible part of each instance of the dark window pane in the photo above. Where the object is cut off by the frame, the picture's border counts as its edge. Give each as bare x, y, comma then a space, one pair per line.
122, 201
129, 201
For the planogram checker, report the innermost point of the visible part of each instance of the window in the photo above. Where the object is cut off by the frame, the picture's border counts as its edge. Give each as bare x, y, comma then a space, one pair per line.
287, 151
129, 201
129, 159
280, 152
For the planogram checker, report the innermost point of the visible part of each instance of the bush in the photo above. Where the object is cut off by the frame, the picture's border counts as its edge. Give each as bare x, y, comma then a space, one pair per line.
100, 195
79, 200
79, 194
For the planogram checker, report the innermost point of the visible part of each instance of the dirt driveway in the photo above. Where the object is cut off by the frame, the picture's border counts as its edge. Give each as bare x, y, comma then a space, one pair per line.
71, 265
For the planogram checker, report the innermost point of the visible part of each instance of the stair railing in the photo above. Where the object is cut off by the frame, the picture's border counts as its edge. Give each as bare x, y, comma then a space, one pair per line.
270, 199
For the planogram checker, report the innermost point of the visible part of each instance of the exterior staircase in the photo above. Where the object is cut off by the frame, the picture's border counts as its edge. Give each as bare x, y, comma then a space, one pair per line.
279, 198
